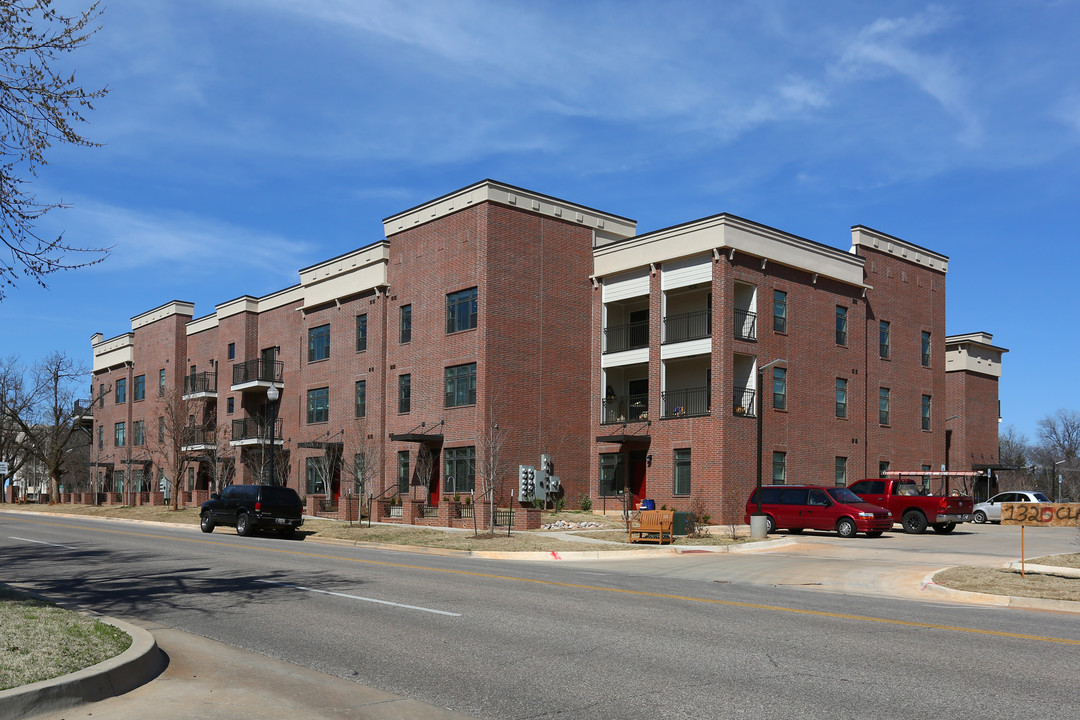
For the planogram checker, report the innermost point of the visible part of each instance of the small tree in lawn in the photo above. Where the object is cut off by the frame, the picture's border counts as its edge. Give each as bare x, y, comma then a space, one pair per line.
425, 465
177, 428
367, 459
220, 462
491, 465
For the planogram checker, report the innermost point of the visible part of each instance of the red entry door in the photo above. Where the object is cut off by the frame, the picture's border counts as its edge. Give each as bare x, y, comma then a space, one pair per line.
637, 476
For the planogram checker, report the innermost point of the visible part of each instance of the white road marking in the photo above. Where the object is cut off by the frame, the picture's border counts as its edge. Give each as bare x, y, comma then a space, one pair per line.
365, 599
42, 542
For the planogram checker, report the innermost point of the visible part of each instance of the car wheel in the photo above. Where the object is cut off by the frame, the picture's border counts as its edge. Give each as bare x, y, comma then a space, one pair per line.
980, 517
845, 528
205, 523
243, 525
770, 525
794, 531
944, 528
914, 522
875, 533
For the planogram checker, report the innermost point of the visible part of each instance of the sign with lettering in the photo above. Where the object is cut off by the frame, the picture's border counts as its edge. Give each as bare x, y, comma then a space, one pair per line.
1041, 514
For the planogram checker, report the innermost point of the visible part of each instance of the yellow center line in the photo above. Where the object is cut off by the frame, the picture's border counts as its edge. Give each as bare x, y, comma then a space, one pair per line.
577, 586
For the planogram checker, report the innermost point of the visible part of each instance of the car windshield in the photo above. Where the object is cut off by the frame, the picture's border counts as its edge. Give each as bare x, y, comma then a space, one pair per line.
843, 495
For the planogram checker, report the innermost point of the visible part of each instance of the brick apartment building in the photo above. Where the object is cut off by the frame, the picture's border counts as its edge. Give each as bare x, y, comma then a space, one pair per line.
630, 359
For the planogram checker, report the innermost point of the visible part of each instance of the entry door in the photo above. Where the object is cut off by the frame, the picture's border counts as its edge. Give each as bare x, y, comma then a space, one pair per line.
637, 476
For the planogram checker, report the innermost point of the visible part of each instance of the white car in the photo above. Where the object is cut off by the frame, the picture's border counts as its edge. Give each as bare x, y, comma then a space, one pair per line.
990, 511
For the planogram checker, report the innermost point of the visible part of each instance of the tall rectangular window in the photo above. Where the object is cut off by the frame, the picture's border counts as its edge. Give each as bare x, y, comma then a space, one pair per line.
882, 467
925, 349
318, 343
138, 390
841, 325
161, 429
779, 468
612, 474
460, 474
841, 471
361, 398
406, 323
138, 432
461, 310
403, 471
779, 311
232, 351
318, 405
121, 391
230, 406
404, 401
779, 388
841, 398
682, 471
101, 437
925, 412
361, 333
883, 406
315, 475
161, 381
883, 340
118, 434
101, 395
461, 385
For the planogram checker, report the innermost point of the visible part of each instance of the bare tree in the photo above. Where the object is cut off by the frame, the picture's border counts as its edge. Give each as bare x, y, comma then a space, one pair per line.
425, 465
367, 453
13, 403
1013, 448
220, 462
491, 464
1059, 434
40, 104
177, 430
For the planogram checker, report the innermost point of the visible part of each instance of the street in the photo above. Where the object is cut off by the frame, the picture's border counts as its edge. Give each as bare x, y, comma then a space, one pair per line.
697, 635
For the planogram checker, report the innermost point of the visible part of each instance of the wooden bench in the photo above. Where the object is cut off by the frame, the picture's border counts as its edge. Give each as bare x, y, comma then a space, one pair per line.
652, 526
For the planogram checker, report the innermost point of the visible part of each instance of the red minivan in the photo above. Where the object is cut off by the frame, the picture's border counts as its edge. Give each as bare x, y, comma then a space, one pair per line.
815, 507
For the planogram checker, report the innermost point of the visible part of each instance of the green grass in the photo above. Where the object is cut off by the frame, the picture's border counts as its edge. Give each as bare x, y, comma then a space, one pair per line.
39, 640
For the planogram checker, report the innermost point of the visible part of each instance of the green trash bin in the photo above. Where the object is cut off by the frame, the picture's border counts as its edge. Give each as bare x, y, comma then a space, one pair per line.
681, 523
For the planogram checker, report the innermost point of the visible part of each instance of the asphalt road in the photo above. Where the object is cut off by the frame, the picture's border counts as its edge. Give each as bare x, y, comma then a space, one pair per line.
690, 637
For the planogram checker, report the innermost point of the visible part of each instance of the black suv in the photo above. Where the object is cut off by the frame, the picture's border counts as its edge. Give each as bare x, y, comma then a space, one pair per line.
252, 507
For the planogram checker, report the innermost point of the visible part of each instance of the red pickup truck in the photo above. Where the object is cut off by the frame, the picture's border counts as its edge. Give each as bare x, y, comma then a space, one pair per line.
913, 509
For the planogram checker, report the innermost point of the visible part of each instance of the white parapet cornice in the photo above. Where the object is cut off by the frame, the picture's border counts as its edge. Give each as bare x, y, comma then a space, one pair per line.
882, 242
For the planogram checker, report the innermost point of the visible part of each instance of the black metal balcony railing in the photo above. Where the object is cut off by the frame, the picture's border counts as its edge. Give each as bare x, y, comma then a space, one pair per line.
199, 436
204, 382
626, 337
745, 325
688, 326
254, 429
625, 408
744, 402
85, 408
257, 371
686, 402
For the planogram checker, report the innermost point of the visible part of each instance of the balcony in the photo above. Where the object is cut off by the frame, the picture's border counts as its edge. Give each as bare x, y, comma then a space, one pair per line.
744, 402
746, 325
254, 431
688, 326
200, 386
625, 408
687, 402
83, 413
630, 336
256, 375
196, 438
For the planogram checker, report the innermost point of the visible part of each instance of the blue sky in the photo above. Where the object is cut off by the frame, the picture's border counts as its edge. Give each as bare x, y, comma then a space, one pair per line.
245, 139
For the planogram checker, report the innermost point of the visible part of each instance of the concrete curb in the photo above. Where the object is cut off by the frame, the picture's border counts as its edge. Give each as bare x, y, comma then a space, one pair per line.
1009, 601
137, 665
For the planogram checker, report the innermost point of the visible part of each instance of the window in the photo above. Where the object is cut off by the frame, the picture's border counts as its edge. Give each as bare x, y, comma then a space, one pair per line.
925, 412
461, 310
779, 311
883, 340
882, 468
460, 470
138, 432
360, 474
161, 429
404, 400
161, 381
406, 323
318, 343
118, 434
682, 472
315, 475
461, 385
190, 479
230, 406
779, 468
121, 391
883, 406
841, 398
779, 388
318, 405
138, 390
101, 437
841, 325
118, 481
612, 474
101, 394
232, 351
361, 333
926, 349
361, 398
841, 471
403, 471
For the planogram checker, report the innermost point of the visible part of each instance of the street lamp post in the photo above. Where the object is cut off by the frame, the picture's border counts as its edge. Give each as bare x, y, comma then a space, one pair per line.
272, 395
1056, 463
758, 522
